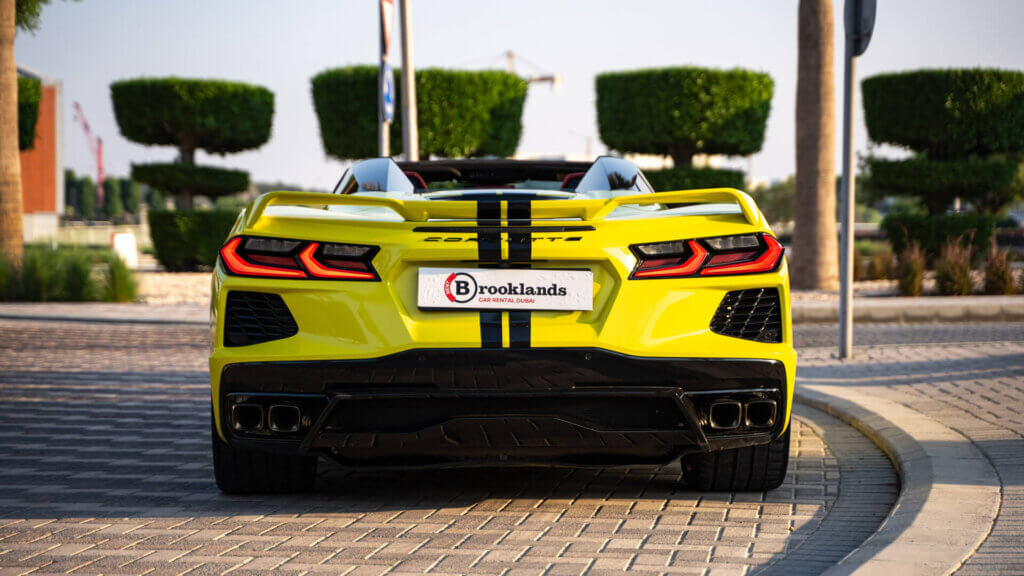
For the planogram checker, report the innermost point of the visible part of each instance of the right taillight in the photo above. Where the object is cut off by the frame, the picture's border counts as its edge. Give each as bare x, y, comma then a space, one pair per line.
720, 255
280, 258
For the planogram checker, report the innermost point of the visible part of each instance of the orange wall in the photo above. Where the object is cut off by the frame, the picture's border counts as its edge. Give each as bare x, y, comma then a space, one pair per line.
39, 165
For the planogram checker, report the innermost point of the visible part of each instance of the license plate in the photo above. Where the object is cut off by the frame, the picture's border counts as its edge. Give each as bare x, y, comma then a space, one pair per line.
521, 289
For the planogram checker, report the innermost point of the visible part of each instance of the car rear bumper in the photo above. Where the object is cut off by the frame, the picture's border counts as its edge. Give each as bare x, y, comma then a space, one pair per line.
461, 406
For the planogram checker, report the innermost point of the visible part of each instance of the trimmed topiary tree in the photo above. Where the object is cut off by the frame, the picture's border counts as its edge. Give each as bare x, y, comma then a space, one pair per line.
217, 116
684, 111
29, 94
966, 126
461, 113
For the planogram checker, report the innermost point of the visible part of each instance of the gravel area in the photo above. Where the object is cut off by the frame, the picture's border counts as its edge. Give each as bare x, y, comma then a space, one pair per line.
174, 287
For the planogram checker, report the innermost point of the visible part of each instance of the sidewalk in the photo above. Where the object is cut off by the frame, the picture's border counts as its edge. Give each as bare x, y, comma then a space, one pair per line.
950, 417
871, 309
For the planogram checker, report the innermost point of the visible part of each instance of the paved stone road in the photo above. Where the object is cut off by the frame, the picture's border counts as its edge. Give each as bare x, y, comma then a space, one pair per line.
104, 468
976, 389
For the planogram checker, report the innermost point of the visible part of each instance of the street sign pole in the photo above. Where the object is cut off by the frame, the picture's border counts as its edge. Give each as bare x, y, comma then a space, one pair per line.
859, 24
410, 133
847, 193
385, 81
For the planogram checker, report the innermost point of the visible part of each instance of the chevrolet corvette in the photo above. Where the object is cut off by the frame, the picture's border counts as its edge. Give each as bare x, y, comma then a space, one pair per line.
499, 312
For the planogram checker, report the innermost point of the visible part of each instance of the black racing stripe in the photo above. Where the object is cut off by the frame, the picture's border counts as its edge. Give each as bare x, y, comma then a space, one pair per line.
519, 328
488, 216
520, 250
520, 240
490, 328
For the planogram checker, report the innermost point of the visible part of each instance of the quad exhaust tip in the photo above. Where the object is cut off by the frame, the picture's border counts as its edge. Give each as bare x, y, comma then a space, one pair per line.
247, 417
725, 414
760, 413
284, 418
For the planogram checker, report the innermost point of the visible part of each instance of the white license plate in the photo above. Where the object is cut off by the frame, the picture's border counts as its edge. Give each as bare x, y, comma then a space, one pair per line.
520, 289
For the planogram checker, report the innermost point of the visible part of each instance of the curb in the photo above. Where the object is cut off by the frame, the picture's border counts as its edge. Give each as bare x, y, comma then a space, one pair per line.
898, 309
949, 492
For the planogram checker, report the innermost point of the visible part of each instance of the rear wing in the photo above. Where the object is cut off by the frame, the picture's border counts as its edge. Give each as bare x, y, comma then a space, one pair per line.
585, 209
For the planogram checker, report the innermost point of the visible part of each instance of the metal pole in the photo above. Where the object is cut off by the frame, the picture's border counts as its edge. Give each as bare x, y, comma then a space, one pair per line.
383, 126
410, 132
847, 193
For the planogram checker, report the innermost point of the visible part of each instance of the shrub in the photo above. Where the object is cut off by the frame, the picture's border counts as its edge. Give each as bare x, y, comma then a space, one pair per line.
998, 275
988, 184
29, 94
933, 232
858, 266
112, 206
777, 200
953, 269
204, 180
687, 178
188, 240
131, 195
87, 198
911, 270
48, 274
684, 111
880, 264
461, 113
214, 115
947, 113
119, 285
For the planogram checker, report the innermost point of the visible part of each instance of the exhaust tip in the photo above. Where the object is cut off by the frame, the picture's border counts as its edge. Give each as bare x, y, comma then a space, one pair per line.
760, 413
725, 414
284, 418
247, 417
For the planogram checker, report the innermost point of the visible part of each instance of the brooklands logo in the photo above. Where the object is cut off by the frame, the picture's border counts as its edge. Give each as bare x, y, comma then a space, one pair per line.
461, 287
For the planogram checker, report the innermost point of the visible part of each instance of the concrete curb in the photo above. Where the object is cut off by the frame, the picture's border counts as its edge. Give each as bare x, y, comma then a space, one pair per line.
949, 493
910, 310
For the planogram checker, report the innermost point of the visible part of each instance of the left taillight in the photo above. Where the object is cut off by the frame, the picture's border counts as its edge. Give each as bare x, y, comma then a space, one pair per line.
282, 258
718, 256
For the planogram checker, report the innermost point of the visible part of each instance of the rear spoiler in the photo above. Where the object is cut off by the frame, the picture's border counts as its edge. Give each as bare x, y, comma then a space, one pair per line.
587, 209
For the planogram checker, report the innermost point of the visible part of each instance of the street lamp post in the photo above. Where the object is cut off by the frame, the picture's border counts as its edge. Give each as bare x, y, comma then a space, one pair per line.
410, 133
859, 23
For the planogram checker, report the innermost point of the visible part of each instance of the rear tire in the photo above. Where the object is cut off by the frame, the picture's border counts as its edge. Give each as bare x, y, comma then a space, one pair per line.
240, 471
747, 469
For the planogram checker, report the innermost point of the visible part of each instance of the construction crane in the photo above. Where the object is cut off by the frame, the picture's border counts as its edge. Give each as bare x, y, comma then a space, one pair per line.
95, 146
510, 64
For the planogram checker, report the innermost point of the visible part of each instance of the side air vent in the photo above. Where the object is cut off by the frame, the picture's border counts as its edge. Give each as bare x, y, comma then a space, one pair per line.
750, 314
254, 317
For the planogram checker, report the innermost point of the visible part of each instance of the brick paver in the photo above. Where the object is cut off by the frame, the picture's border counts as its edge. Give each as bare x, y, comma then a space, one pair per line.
105, 468
976, 389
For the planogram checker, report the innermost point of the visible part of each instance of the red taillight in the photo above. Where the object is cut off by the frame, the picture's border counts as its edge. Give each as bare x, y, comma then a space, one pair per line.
277, 258
744, 254
766, 262
338, 270
235, 263
691, 264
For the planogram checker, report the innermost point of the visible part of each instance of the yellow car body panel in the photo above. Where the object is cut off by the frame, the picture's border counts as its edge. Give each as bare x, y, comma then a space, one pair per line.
649, 318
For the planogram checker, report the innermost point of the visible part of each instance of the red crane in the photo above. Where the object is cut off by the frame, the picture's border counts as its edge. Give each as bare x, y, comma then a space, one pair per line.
95, 146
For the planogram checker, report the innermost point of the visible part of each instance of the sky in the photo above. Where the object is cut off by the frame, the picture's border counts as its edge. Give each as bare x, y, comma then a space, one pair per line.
281, 45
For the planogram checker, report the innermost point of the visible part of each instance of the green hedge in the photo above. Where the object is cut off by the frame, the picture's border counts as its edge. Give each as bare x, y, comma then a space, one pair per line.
683, 111
66, 274
947, 113
988, 184
215, 115
29, 94
461, 113
686, 178
932, 232
188, 240
202, 180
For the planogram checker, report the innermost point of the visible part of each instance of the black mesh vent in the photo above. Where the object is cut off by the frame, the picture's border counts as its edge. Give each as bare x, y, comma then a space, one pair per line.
254, 317
750, 314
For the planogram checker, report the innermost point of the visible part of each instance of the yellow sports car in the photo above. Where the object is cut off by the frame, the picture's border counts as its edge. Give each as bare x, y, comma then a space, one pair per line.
501, 312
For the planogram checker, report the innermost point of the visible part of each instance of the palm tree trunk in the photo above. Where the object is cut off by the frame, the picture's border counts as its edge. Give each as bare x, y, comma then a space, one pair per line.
815, 263
11, 240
